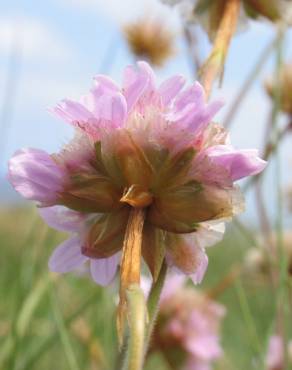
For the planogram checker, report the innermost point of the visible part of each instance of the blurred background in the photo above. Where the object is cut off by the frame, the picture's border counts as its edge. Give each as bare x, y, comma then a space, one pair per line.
51, 50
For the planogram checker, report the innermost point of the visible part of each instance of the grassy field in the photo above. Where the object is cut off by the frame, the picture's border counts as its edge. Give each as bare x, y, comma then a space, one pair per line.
67, 322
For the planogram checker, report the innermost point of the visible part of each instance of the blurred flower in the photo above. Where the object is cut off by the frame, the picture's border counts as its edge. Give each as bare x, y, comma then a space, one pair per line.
188, 325
137, 147
209, 13
151, 39
258, 260
275, 355
282, 87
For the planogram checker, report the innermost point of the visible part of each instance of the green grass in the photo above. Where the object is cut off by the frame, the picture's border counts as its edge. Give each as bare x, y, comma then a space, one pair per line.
67, 322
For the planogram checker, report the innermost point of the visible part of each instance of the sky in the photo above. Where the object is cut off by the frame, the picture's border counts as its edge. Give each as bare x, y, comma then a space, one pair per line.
51, 49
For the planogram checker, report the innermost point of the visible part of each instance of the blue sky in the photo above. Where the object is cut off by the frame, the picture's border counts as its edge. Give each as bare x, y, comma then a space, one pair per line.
52, 49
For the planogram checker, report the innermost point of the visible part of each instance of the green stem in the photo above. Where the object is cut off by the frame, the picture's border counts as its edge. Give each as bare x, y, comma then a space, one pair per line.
63, 333
248, 318
153, 303
283, 314
136, 312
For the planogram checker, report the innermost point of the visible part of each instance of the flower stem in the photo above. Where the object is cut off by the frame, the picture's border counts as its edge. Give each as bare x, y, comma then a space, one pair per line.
153, 303
131, 263
214, 65
136, 312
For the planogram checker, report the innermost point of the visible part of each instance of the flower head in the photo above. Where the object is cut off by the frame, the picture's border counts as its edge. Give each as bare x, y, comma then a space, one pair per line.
150, 38
188, 327
209, 13
282, 86
145, 147
258, 263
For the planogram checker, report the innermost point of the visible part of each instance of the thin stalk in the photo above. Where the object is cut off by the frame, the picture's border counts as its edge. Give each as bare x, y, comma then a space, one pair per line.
266, 231
282, 300
245, 232
251, 77
63, 333
269, 151
247, 315
192, 49
153, 303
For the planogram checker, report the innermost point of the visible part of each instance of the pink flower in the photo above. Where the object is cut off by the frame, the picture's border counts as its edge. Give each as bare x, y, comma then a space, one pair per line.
36, 176
144, 146
275, 359
188, 327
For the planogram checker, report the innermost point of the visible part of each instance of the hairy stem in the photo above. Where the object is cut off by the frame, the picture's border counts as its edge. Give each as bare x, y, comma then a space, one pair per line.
131, 263
136, 312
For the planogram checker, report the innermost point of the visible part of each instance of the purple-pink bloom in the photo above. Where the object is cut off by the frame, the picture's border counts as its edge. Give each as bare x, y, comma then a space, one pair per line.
275, 354
142, 146
36, 176
275, 359
188, 327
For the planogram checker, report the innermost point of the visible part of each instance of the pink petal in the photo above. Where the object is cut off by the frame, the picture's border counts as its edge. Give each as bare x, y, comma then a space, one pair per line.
209, 233
106, 83
198, 119
190, 111
238, 163
103, 270
111, 107
193, 94
72, 111
170, 88
67, 256
146, 68
275, 355
35, 175
198, 275
134, 85
173, 283
187, 257
193, 363
205, 347
62, 218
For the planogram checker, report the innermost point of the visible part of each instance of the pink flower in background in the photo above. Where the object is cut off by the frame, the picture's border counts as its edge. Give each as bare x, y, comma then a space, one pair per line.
275, 355
188, 327
144, 146
275, 359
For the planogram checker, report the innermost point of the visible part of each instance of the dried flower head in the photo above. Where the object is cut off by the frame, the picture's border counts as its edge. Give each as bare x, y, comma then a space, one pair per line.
151, 39
140, 147
282, 87
188, 327
209, 13
258, 260
274, 10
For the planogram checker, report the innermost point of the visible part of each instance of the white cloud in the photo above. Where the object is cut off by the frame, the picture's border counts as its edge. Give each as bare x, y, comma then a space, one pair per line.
34, 38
